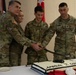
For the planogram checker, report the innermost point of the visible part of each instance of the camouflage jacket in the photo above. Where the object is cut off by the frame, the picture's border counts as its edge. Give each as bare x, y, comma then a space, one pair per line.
9, 31
15, 46
35, 31
65, 34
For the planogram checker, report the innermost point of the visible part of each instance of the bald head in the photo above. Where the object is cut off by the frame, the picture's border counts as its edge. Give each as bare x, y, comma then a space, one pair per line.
20, 16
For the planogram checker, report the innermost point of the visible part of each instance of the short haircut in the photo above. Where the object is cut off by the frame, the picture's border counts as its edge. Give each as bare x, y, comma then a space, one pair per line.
38, 8
13, 1
63, 4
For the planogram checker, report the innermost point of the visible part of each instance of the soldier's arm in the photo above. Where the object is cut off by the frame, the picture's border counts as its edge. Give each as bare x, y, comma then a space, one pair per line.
11, 27
49, 34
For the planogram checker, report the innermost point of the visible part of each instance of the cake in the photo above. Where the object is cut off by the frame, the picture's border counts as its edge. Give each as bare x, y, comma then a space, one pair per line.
48, 66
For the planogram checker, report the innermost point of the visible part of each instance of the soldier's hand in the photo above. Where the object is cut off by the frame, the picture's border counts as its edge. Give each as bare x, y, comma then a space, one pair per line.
40, 45
36, 47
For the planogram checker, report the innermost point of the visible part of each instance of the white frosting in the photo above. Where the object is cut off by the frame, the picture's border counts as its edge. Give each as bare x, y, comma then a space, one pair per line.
70, 71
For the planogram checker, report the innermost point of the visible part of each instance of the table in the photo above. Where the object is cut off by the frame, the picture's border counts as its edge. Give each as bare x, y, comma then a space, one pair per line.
20, 70
23, 70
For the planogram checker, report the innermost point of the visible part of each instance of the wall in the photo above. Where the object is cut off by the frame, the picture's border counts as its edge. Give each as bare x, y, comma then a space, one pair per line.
51, 13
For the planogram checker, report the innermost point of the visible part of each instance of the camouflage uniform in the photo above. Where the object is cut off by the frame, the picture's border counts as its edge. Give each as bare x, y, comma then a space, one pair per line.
35, 31
9, 31
65, 37
16, 50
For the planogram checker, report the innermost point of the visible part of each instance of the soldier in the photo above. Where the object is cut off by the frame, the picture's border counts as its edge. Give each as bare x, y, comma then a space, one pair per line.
16, 48
35, 30
9, 31
65, 28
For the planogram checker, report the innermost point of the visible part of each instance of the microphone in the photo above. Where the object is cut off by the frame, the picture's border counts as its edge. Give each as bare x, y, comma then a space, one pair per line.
59, 60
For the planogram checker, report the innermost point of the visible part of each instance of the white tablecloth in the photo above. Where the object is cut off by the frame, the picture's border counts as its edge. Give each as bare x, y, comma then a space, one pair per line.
20, 70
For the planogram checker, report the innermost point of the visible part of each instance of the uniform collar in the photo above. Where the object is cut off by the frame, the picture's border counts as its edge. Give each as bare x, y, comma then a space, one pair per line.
68, 19
36, 23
